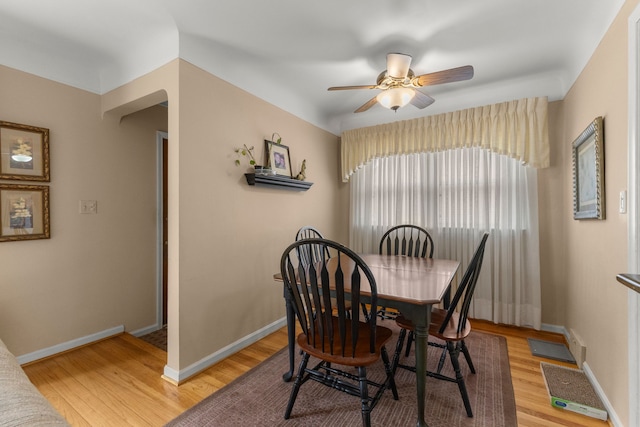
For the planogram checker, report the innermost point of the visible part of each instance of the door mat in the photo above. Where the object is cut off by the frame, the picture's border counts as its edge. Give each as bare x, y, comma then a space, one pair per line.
157, 338
570, 389
550, 350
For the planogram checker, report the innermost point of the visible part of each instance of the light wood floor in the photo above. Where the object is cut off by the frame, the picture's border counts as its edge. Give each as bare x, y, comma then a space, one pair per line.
116, 382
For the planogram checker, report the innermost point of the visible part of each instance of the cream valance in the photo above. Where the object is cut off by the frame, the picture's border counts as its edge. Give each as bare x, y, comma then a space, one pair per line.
516, 128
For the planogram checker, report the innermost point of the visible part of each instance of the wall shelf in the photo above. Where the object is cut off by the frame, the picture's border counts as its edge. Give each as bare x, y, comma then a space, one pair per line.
277, 181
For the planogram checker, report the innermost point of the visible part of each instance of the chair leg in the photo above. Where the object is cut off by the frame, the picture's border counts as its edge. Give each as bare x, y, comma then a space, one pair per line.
409, 342
467, 356
365, 312
391, 382
443, 357
383, 314
396, 354
364, 396
296, 385
454, 351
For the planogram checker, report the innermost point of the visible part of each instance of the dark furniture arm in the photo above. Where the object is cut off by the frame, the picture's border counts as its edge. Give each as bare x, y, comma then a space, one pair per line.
631, 281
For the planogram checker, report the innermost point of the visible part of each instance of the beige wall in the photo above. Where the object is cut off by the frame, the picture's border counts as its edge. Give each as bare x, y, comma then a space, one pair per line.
226, 238
580, 259
97, 271
231, 235
552, 209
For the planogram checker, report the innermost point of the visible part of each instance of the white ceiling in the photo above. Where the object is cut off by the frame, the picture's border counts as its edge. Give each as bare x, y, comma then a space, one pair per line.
288, 52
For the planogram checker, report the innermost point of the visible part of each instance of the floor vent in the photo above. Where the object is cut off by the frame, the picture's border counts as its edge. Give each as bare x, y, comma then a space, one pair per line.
577, 348
550, 350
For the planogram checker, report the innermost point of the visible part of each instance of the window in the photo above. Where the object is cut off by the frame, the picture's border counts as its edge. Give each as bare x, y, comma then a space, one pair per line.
457, 195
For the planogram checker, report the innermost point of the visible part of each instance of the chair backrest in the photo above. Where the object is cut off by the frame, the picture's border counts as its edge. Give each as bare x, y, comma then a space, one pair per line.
466, 288
308, 232
323, 293
409, 240
314, 253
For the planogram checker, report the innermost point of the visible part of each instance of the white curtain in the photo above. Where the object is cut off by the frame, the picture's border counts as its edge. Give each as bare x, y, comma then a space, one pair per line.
456, 195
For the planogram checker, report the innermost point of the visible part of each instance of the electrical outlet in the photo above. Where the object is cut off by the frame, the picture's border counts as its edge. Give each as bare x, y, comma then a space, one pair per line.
88, 206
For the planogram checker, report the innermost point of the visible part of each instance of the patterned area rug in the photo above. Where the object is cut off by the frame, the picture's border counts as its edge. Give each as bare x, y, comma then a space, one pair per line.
259, 397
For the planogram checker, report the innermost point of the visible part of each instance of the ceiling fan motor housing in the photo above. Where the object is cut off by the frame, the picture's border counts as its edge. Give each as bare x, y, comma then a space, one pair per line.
399, 84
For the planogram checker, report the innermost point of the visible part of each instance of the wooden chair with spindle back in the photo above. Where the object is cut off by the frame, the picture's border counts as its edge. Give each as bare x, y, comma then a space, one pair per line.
450, 326
404, 240
311, 254
321, 293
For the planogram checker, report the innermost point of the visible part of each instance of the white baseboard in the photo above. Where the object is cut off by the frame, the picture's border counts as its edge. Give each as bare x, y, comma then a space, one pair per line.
146, 330
613, 416
615, 420
556, 329
177, 377
69, 345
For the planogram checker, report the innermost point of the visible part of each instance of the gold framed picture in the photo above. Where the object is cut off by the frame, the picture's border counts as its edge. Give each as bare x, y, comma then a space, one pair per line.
24, 152
24, 212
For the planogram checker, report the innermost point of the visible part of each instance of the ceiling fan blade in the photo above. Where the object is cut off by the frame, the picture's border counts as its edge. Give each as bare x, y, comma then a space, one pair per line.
421, 100
352, 87
370, 103
398, 65
445, 76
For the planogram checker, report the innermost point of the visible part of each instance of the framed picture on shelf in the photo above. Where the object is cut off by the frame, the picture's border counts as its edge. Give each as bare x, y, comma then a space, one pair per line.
278, 158
24, 152
588, 172
24, 212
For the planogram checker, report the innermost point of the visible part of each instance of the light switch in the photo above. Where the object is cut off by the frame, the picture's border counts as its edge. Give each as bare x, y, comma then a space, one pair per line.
623, 202
88, 206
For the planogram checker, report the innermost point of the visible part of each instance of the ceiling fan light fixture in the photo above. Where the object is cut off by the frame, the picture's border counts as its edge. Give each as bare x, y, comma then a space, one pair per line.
396, 97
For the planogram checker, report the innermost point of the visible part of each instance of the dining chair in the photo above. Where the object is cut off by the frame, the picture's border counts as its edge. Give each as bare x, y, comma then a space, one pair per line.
311, 254
406, 240
320, 294
315, 253
451, 326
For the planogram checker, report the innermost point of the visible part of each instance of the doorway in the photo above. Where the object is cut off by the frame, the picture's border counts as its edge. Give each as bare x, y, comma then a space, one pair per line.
162, 139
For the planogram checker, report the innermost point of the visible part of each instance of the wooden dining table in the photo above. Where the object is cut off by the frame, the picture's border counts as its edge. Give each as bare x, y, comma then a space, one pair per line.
408, 284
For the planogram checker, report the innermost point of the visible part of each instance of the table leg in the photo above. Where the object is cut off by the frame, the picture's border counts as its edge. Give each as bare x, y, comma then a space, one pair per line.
421, 318
291, 334
421, 335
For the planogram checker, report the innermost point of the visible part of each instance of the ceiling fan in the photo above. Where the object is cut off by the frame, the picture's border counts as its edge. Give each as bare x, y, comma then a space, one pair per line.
400, 85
